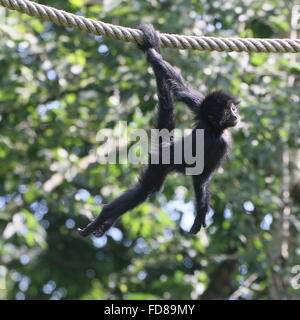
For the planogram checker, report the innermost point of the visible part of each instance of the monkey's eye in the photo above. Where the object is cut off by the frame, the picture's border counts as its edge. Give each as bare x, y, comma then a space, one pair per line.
233, 108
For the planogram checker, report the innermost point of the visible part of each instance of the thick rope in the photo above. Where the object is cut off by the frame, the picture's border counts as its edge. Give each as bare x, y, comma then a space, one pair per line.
70, 20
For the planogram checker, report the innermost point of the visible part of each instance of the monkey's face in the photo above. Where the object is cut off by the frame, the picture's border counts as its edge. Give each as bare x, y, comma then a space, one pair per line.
221, 110
230, 116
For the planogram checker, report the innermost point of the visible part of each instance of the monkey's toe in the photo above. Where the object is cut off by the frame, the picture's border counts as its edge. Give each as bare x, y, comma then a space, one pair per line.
82, 232
101, 230
96, 232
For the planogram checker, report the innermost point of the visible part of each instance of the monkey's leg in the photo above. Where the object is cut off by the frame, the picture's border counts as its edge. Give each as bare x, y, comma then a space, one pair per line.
202, 198
150, 181
112, 211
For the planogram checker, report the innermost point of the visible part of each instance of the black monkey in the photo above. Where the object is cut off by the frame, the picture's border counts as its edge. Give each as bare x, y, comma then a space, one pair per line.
214, 113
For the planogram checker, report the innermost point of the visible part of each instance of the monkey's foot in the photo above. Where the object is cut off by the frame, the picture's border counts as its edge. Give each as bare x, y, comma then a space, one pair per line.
100, 231
97, 231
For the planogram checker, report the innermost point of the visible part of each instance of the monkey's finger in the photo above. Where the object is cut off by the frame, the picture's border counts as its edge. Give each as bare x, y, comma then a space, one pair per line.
88, 229
195, 228
83, 232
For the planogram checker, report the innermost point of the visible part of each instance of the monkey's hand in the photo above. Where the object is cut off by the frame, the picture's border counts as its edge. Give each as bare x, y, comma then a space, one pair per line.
98, 226
199, 221
151, 38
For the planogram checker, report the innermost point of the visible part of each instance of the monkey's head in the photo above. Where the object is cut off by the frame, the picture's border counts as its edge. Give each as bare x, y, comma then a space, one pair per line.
220, 110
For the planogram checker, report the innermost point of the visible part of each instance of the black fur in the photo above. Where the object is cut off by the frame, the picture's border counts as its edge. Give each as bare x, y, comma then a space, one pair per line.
213, 113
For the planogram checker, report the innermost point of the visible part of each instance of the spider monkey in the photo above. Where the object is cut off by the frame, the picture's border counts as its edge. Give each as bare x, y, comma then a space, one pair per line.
214, 113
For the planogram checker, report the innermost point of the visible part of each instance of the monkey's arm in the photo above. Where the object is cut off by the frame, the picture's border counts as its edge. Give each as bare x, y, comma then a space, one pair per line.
165, 118
164, 72
181, 89
214, 151
201, 203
